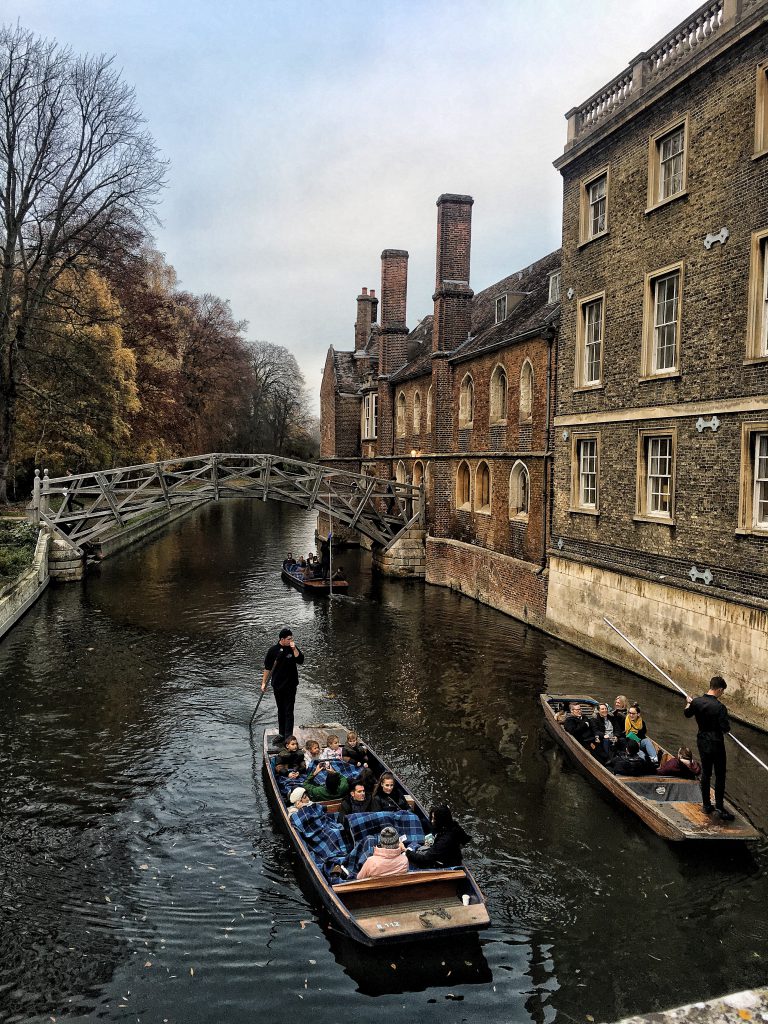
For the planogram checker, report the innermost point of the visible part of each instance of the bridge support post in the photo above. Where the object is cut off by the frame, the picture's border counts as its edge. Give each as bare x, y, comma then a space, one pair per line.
64, 563
406, 557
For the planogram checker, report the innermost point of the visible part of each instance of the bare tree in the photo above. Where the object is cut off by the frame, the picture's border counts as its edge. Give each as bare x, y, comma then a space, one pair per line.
279, 404
79, 175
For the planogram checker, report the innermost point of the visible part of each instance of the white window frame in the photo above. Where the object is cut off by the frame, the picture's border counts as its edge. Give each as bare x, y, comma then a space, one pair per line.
649, 458
401, 414
593, 205
757, 319
466, 401
590, 339
660, 183
760, 481
554, 287
585, 465
417, 413
370, 416
501, 308
653, 325
753, 479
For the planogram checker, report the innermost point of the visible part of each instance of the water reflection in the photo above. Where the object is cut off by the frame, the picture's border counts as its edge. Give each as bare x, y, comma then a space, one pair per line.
141, 871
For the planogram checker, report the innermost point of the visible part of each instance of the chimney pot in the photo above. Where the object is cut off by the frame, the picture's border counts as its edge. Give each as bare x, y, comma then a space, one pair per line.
365, 291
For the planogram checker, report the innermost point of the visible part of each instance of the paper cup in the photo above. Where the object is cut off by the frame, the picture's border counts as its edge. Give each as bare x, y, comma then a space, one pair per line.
465, 900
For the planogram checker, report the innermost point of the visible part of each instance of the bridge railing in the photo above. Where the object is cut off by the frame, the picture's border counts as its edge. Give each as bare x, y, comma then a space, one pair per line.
83, 508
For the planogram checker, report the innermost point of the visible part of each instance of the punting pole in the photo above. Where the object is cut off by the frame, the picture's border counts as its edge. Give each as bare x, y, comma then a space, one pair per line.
261, 698
671, 680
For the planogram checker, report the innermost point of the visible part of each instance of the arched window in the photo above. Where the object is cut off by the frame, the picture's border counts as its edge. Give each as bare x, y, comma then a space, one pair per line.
400, 418
417, 413
418, 474
519, 492
483, 488
428, 481
466, 402
463, 487
526, 392
401, 476
498, 403
430, 399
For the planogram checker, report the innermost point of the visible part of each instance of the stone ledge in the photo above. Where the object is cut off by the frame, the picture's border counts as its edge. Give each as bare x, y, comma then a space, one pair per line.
19, 596
731, 1009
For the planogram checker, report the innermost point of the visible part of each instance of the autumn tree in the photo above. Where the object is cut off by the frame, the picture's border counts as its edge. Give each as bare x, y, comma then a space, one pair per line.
78, 174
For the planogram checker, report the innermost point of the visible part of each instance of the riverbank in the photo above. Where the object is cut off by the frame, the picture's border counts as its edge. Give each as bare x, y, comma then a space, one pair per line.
740, 1006
28, 559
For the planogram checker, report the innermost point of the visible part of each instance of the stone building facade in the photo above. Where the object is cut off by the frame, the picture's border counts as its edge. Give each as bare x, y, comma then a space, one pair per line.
660, 520
461, 405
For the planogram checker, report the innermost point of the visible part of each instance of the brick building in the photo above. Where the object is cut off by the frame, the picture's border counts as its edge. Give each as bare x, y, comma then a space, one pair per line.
661, 433
460, 404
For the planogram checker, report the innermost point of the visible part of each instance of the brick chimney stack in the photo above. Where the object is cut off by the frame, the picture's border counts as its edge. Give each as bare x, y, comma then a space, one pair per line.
367, 304
453, 296
394, 292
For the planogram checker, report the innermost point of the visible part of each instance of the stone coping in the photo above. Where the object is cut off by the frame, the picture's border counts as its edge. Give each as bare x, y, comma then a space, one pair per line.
18, 597
732, 1009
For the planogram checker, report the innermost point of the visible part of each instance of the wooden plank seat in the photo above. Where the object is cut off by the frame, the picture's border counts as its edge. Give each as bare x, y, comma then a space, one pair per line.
430, 875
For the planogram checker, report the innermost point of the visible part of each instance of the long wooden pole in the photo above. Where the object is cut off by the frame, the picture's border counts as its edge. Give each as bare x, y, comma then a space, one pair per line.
671, 680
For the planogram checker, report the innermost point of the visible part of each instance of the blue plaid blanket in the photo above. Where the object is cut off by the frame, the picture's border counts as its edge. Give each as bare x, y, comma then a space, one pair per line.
344, 768
370, 823
323, 836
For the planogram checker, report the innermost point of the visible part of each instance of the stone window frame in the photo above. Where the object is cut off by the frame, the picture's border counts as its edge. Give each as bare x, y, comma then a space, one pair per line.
501, 306
370, 416
580, 383
463, 494
761, 110
586, 234
466, 401
400, 415
648, 350
420, 466
642, 514
417, 412
576, 506
430, 402
527, 383
519, 499
757, 314
655, 146
747, 479
554, 287
498, 397
485, 508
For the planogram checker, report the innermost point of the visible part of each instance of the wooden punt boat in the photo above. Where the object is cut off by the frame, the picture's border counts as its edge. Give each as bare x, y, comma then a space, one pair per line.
671, 806
421, 904
319, 587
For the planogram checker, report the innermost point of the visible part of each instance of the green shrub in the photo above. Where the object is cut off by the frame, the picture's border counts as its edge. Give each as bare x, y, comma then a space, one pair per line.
17, 547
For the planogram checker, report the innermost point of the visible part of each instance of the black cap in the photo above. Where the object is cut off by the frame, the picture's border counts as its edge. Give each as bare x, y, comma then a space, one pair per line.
285, 632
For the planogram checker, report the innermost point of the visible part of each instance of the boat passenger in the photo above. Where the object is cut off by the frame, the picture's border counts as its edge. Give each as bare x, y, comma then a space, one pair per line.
354, 751
301, 562
385, 795
619, 715
388, 857
289, 562
339, 576
298, 799
578, 727
636, 729
357, 801
602, 729
630, 762
335, 787
682, 765
290, 760
445, 851
311, 752
333, 750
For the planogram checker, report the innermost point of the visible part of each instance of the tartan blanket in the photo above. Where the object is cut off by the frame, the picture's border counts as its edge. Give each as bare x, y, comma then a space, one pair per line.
345, 768
323, 835
370, 823
285, 785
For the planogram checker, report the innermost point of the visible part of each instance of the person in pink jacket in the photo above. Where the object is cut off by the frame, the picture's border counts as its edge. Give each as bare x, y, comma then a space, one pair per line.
388, 858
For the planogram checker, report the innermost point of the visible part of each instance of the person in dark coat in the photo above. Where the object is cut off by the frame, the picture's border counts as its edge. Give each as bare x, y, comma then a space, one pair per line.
280, 663
385, 796
578, 727
629, 761
445, 851
619, 715
290, 760
355, 802
713, 722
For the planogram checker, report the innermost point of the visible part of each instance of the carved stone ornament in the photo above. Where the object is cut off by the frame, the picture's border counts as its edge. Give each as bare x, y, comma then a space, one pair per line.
702, 424
705, 576
561, 544
721, 236
570, 293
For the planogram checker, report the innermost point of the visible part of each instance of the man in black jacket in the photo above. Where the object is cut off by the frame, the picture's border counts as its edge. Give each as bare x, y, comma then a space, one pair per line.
281, 660
713, 722
578, 726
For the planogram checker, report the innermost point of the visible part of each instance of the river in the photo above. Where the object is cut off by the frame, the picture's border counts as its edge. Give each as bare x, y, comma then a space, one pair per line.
141, 875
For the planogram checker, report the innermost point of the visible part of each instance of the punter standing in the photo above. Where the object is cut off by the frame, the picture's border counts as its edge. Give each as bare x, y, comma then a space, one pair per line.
713, 722
282, 660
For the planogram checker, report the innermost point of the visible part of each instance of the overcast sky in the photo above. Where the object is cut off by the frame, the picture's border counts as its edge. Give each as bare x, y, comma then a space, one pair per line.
305, 136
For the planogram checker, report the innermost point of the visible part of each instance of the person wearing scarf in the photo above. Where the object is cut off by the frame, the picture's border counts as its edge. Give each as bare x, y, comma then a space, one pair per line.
635, 729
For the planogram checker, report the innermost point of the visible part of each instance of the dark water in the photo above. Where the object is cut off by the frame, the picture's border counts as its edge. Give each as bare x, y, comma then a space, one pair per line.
141, 878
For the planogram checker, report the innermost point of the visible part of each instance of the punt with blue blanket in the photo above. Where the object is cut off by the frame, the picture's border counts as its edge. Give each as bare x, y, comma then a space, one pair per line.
375, 911
295, 576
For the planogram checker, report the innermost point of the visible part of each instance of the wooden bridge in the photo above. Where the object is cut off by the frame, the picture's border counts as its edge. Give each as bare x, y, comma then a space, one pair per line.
84, 508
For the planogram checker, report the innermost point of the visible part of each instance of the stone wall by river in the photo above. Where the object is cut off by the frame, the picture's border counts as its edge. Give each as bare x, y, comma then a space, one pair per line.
141, 876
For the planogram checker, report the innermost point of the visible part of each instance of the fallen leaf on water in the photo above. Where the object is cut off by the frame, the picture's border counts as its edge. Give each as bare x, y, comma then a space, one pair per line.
745, 1015
590, 1017
393, 966
148, 963
192, 971
313, 961
143, 867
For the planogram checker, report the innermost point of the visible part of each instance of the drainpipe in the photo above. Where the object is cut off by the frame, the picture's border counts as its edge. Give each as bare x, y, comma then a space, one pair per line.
548, 463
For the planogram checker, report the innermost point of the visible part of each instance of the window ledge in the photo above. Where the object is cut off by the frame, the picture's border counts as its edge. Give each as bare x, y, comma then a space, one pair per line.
655, 520
526, 422
752, 360
484, 511
465, 425
498, 423
759, 155
662, 375
464, 508
575, 510
594, 238
597, 386
667, 201
519, 517
752, 531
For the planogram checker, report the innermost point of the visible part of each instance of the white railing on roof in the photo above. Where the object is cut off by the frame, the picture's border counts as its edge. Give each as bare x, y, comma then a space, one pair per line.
669, 54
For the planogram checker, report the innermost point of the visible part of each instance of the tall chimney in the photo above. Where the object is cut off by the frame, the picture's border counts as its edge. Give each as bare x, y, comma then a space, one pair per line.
453, 296
367, 304
394, 292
